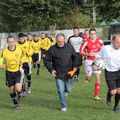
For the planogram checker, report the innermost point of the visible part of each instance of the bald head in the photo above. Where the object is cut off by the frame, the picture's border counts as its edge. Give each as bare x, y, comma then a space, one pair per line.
116, 41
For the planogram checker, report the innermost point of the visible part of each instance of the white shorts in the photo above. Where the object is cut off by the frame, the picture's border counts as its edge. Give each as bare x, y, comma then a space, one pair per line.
88, 68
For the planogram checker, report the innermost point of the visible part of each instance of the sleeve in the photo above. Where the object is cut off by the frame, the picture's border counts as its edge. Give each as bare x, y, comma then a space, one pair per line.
48, 61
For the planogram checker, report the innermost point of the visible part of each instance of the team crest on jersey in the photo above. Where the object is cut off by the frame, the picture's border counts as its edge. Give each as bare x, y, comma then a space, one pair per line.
94, 46
98, 45
16, 55
24, 47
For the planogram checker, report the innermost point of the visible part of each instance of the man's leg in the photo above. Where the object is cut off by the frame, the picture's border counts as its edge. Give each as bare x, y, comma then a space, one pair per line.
97, 85
88, 70
13, 96
61, 92
68, 86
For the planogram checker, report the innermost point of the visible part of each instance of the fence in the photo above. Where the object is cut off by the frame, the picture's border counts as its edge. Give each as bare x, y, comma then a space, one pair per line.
3, 36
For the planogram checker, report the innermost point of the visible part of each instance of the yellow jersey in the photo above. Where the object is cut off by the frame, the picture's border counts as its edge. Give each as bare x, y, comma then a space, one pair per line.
46, 43
36, 46
27, 50
12, 59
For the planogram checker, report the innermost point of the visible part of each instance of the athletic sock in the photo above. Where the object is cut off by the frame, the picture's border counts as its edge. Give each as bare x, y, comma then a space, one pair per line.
97, 89
109, 96
14, 99
29, 80
117, 98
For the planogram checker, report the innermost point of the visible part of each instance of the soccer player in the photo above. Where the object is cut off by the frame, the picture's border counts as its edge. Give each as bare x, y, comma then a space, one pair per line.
46, 44
12, 61
111, 55
89, 48
61, 62
36, 46
76, 41
27, 49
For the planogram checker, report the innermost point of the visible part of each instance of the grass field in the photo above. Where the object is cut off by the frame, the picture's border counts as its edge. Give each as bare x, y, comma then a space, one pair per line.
43, 102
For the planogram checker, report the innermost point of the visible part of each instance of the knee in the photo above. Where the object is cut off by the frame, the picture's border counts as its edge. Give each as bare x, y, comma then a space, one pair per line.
113, 92
118, 91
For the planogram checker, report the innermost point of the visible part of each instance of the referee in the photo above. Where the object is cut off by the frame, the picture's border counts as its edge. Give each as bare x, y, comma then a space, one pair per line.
111, 55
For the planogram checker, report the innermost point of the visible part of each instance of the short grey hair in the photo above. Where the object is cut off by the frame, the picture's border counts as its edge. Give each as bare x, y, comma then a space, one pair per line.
60, 34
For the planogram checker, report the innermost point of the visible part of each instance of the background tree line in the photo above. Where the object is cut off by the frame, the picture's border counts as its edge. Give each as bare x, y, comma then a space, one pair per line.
33, 15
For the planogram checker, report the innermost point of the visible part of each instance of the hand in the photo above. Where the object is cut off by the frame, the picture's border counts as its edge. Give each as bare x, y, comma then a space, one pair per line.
54, 73
72, 72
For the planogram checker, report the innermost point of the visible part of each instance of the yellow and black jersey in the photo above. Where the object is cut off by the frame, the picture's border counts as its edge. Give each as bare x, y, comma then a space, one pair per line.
36, 46
12, 59
27, 50
46, 43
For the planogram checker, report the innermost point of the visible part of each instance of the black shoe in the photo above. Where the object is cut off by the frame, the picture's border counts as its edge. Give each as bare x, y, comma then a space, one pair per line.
116, 109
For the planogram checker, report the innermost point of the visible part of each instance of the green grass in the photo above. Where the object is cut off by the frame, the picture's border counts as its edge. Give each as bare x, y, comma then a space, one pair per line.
43, 102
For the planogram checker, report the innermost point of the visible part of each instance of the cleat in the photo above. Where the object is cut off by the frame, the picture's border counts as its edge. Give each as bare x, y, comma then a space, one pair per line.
23, 94
97, 98
29, 90
116, 109
86, 81
16, 107
64, 109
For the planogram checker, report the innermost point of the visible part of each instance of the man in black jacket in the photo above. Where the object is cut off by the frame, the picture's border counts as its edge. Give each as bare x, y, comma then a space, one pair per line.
61, 61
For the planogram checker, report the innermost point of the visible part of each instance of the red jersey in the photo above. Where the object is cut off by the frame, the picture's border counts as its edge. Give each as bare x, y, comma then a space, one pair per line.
89, 46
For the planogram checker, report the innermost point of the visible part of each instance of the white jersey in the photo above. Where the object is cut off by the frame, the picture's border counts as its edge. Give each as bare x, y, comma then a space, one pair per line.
111, 57
76, 42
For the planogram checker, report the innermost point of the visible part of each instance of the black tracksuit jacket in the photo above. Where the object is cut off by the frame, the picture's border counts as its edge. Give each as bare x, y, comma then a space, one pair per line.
62, 60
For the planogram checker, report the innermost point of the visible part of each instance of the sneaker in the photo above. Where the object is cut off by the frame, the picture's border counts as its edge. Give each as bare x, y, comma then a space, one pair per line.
29, 90
64, 109
23, 94
66, 94
116, 109
16, 107
97, 98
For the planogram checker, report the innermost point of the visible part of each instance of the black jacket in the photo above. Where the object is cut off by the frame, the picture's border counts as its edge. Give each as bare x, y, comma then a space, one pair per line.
61, 59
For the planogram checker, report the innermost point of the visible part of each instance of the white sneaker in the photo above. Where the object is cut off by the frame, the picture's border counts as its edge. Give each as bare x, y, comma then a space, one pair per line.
64, 109
29, 90
66, 94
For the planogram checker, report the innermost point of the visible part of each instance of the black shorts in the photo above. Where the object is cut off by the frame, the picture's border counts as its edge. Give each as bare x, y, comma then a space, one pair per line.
35, 57
26, 68
112, 79
12, 78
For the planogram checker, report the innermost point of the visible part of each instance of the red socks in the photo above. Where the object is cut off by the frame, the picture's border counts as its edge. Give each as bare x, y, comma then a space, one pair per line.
97, 89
